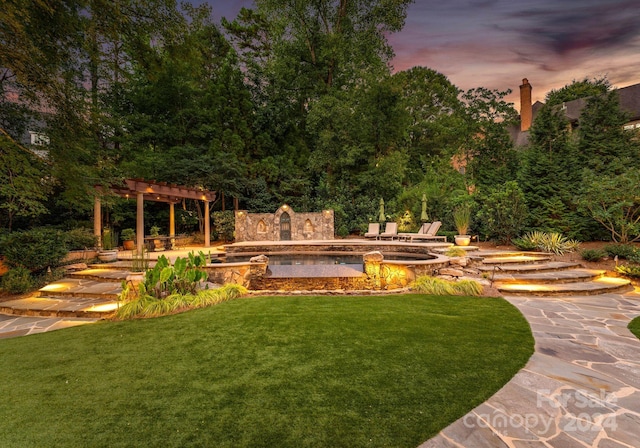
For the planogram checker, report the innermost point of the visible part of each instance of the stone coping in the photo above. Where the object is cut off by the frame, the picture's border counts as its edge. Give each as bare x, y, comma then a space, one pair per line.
344, 242
437, 259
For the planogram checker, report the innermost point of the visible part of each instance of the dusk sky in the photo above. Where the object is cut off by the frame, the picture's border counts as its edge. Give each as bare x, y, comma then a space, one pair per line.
496, 43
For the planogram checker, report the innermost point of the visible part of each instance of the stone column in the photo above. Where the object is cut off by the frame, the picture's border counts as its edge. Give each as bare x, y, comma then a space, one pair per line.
97, 221
207, 225
139, 222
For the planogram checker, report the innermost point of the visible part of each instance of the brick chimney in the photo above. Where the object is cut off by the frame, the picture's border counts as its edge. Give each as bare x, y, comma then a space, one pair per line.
526, 112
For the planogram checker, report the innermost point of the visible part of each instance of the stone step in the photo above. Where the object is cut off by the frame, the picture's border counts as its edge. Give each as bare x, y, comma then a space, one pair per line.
558, 276
120, 265
602, 285
529, 268
508, 253
81, 288
516, 259
59, 307
100, 274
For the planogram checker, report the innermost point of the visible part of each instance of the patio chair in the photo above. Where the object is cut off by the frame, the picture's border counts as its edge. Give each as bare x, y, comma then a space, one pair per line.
390, 231
421, 231
431, 233
374, 230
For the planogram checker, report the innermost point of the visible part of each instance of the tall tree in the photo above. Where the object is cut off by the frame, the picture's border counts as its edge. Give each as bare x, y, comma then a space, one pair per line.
436, 115
486, 147
604, 146
24, 185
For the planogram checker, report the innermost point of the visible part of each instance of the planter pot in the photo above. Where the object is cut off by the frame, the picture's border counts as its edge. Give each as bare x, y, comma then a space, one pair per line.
462, 240
158, 245
129, 244
108, 255
3, 267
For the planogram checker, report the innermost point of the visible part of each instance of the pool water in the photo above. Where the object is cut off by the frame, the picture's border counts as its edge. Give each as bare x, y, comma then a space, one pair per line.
293, 259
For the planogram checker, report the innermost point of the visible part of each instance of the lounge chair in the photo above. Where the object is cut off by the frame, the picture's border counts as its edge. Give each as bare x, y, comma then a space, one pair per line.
421, 231
374, 230
430, 234
390, 231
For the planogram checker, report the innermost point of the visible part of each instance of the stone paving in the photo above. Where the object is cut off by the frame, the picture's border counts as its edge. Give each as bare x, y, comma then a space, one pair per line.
13, 326
581, 388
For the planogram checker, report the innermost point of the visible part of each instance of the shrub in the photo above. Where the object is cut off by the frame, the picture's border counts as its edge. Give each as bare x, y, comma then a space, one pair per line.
629, 271
504, 212
109, 239
594, 254
455, 252
148, 306
34, 249
621, 250
547, 241
183, 277
524, 244
17, 281
79, 239
224, 225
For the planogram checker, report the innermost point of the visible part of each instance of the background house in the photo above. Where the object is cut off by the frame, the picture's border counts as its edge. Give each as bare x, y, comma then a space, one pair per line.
629, 102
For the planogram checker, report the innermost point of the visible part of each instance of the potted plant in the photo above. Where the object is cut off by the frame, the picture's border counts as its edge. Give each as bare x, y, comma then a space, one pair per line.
157, 243
128, 239
462, 219
108, 251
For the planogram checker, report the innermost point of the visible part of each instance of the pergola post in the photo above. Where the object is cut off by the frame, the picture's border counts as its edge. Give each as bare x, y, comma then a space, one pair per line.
139, 222
97, 221
207, 225
172, 224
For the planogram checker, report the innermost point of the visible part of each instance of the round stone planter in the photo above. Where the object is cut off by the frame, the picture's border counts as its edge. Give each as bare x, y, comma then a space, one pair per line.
108, 255
129, 244
462, 240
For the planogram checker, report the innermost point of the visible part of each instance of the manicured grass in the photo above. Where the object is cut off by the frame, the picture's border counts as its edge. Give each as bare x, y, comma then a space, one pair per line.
264, 372
634, 326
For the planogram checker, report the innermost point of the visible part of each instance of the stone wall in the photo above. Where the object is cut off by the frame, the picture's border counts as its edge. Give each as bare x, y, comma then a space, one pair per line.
222, 273
271, 226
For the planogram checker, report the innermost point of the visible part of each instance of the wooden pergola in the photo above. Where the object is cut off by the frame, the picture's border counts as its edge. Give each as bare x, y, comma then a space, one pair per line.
144, 190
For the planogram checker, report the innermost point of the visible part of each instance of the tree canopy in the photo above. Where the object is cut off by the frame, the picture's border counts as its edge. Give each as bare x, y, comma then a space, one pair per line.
291, 101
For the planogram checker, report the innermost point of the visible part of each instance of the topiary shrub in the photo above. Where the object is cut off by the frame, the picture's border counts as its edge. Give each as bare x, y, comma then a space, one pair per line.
593, 255
34, 249
17, 281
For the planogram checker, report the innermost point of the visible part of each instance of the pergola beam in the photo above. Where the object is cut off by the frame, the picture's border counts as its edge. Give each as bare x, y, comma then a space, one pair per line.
144, 190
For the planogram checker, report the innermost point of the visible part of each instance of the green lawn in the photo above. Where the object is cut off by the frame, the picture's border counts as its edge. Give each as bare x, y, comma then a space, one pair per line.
634, 326
263, 372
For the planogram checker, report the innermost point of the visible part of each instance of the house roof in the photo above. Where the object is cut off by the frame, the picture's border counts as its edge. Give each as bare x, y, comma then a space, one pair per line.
630, 100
